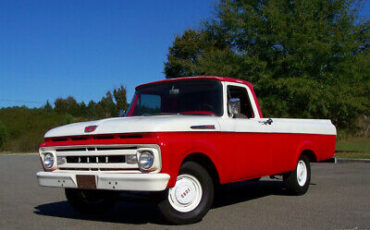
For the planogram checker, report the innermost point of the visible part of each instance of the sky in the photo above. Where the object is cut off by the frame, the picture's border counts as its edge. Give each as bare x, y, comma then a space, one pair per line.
51, 49
83, 48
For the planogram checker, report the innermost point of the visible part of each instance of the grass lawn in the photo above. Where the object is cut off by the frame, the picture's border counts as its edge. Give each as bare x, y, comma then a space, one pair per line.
353, 155
353, 147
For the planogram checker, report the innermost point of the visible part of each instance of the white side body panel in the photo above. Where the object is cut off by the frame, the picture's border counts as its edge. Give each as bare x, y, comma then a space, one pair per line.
183, 123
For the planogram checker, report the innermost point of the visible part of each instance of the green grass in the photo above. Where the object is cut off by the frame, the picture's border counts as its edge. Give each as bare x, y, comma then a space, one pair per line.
353, 155
353, 147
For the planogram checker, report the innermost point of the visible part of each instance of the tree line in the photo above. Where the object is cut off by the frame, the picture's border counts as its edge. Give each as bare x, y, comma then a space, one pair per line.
113, 104
305, 58
22, 129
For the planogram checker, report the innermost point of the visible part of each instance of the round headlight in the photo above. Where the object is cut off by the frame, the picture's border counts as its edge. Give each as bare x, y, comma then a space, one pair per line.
48, 160
146, 160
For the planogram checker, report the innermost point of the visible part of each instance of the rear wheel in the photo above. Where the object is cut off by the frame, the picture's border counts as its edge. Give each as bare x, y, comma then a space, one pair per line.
91, 201
298, 181
191, 197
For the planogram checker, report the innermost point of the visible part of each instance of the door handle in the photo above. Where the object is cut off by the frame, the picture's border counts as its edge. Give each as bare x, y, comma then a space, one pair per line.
267, 122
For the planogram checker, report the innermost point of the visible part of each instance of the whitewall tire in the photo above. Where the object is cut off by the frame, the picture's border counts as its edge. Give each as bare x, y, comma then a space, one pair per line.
298, 181
191, 197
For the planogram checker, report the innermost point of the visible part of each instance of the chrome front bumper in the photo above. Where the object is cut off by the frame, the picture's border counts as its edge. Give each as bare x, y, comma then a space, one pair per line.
107, 181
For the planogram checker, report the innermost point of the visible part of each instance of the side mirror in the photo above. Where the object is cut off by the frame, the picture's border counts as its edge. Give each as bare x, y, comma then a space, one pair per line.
234, 107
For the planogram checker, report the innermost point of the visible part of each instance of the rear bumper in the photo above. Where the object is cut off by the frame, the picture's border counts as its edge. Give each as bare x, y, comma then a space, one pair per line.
123, 182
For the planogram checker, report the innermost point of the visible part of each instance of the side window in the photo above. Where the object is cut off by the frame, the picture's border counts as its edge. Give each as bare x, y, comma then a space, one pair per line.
148, 104
245, 104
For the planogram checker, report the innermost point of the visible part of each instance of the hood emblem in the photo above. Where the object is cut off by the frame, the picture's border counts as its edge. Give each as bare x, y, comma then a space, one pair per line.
91, 128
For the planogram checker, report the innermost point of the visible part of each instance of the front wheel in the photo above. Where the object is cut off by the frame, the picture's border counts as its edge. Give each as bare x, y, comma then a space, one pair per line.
298, 181
191, 197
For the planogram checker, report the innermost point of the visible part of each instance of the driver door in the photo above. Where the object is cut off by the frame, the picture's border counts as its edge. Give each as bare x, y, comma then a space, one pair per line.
250, 144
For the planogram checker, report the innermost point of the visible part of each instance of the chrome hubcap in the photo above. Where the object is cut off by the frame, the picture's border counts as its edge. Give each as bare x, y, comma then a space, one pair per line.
186, 195
301, 173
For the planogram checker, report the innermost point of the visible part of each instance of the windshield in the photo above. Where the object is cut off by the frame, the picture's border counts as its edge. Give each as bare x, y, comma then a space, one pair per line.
203, 96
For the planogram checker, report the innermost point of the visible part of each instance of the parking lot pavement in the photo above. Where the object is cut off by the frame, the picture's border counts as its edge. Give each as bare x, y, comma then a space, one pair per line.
338, 198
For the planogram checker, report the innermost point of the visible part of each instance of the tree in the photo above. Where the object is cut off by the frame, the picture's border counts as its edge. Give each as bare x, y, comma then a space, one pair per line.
68, 105
82, 109
22, 129
48, 107
120, 99
106, 107
60, 105
91, 109
306, 58
197, 53
111, 105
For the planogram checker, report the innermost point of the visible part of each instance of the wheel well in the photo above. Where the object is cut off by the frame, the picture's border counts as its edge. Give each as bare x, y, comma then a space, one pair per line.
206, 162
310, 154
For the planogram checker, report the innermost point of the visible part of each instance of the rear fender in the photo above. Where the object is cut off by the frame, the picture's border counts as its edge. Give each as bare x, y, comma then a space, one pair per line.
304, 146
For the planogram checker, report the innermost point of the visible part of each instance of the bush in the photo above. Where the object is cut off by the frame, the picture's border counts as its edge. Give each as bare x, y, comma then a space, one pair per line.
3, 135
26, 127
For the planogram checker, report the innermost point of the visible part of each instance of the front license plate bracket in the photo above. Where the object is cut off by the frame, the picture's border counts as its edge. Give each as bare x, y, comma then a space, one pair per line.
86, 181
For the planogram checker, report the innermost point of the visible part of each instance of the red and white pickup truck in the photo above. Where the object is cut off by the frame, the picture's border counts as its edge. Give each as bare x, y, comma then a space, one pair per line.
182, 137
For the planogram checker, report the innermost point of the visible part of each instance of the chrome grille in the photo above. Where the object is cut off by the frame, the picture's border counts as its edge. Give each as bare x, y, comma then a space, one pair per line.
96, 158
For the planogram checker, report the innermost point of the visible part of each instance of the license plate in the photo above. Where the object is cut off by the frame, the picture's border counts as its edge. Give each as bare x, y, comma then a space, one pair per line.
86, 181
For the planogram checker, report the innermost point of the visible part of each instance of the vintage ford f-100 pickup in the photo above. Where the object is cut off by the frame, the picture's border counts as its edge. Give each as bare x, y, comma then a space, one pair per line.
181, 138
